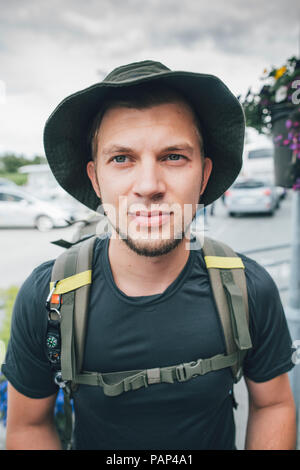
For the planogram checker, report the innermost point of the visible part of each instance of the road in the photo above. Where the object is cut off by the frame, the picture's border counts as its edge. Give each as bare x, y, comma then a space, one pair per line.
23, 250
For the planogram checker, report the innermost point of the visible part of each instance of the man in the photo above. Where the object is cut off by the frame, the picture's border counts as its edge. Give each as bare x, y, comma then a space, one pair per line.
158, 140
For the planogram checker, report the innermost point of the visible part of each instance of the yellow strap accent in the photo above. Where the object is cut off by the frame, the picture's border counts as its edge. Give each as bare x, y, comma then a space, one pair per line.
223, 262
72, 282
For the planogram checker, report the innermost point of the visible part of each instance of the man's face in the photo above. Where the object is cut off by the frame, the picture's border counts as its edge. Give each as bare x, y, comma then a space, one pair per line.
149, 168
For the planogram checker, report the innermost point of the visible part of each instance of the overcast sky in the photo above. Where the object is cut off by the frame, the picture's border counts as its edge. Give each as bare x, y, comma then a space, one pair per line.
50, 49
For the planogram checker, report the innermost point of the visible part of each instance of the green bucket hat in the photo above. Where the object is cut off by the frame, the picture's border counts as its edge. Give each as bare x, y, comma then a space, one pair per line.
219, 111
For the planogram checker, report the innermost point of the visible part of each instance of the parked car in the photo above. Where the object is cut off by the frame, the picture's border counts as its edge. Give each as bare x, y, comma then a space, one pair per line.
20, 209
251, 195
58, 197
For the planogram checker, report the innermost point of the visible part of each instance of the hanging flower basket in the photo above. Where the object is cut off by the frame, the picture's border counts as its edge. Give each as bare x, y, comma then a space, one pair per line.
286, 138
274, 111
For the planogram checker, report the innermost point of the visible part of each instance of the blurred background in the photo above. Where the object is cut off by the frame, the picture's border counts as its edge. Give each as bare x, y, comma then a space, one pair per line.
49, 50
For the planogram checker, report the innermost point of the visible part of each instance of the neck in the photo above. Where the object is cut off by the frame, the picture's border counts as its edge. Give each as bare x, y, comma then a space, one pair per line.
137, 275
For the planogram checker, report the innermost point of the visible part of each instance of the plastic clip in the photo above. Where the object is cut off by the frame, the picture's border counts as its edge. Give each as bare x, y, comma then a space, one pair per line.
48, 301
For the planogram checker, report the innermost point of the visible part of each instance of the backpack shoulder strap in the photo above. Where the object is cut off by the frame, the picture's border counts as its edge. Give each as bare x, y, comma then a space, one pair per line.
72, 274
228, 282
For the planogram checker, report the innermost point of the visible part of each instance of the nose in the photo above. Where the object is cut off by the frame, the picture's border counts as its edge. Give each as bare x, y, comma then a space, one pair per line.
148, 181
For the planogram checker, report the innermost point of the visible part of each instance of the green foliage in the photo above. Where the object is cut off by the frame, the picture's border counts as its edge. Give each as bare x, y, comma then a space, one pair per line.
10, 162
38, 160
276, 91
18, 178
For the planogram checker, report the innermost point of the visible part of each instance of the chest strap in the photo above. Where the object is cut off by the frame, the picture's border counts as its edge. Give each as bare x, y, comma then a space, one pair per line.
115, 383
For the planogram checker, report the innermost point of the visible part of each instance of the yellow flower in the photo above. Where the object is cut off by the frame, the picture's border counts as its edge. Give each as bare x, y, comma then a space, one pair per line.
280, 72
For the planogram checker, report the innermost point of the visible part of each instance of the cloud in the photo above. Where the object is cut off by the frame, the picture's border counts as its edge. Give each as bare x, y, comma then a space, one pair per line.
49, 50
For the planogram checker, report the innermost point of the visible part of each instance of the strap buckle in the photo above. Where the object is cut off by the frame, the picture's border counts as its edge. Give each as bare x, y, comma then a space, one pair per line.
60, 382
189, 370
48, 303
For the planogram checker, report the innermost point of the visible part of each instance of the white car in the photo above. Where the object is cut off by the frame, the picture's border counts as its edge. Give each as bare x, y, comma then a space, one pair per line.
20, 209
251, 196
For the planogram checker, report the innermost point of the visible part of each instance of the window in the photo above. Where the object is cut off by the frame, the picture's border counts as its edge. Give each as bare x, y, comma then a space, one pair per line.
260, 153
249, 184
10, 197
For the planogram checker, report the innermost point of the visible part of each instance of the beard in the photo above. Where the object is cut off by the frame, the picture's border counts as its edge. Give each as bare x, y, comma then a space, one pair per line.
162, 247
157, 246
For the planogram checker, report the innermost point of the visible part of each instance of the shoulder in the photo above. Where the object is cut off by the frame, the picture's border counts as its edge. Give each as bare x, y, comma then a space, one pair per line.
38, 282
268, 322
31, 298
260, 284
39, 279
265, 305
258, 279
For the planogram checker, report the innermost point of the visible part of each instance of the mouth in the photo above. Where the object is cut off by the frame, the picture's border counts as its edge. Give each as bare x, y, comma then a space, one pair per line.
150, 218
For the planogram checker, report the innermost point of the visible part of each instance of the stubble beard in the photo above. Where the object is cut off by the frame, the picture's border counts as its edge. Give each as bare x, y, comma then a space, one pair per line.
162, 246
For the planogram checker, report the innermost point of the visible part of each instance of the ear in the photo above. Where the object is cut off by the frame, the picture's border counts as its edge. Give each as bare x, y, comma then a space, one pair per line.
207, 169
92, 174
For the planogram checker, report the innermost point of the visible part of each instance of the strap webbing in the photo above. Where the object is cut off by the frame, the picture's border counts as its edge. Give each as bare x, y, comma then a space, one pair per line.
237, 313
73, 268
68, 361
68, 420
231, 297
116, 383
84, 263
223, 262
72, 282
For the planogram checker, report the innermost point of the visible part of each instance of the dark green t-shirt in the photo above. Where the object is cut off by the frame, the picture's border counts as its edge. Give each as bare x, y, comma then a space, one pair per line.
130, 333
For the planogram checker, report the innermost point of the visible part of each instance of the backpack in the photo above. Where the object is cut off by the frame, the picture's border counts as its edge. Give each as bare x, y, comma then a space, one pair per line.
67, 306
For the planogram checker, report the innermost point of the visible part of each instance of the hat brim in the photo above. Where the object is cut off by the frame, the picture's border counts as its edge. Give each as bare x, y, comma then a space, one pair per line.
219, 111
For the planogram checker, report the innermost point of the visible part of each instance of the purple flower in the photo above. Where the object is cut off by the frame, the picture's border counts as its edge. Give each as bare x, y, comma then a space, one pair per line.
297, 184
277, 138
288, 124
286, 142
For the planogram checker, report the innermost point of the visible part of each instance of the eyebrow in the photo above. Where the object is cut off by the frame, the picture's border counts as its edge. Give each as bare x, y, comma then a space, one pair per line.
114, 149
183, 146
121, 149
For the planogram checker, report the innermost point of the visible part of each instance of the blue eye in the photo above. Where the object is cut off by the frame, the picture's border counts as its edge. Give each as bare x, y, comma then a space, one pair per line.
119, 158
175, 157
